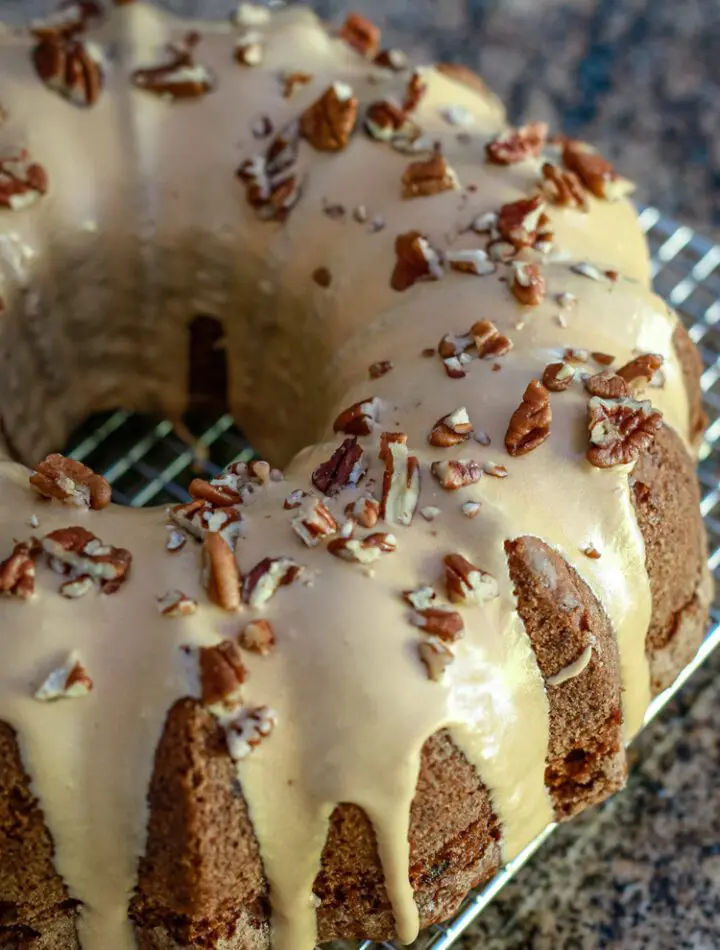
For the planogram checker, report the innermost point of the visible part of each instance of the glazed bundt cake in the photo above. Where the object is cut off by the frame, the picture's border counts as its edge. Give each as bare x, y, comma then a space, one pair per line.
326, 703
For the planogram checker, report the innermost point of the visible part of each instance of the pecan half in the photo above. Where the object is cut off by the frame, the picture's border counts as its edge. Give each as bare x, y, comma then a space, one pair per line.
436, 657
22, 181
69, 681
515, 145
366, 551
266, 577
258, 637
248, 729
606, 384
181, 77
329, 122
639, 372
314, 524
467, 584
489, 342
528, 284
595, 172
358, 419
70, 67
414, 91
562, 188
85, 554
429, 177
222, 675
344, 469
363, 511
557, 377
442, 622
451, 429
619, 430
530, 423
416, 260
361, 34
401, 480
71, 482
221, 576
17, 572
456, 473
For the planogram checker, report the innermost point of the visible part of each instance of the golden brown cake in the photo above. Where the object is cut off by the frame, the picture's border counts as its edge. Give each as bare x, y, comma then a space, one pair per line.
324, 703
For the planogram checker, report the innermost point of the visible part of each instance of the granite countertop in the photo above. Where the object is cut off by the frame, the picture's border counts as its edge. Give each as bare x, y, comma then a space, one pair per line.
641, 79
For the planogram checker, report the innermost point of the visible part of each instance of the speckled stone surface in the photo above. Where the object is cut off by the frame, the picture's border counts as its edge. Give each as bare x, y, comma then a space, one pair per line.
641, 79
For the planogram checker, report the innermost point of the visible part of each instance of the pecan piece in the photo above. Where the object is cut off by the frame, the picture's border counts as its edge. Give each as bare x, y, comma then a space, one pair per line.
363, 511
442, 622
414, 91
379, 368
17, 572
71, 482
176, 604
522, 223
456, 473
451, 429
467, 584
181, 77
528, 284
595, 172
222, 675
22, 181
429, 177
70, 67
366, 551
361, 34
530, 423
401, 480
358, 419
557, 377
436, 657
473, 261
328, 123
295, 499
258, 637
248, 729
416, 260
70, 681
515, 145
394, 59
314, 524
606, 384
562, 188
385, 121
489, 342
85, 554
221, 577
221, 496
293, 81
266, 577
70, 19
344, 469
249, 50
421, 598
639, 372
619, 430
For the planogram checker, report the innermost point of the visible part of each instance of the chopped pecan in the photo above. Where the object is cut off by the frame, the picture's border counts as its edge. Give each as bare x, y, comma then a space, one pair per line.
221, 576
222, 675
463, 75
453, 368
456, 473
22, 181
515, 145
401, 480
471, 509
221, 496
266, 577
473, 261
595, 172
558, 376
575, 354
77, 587
395, 59
366, 551
176, 541
467, 584
248, 729
258, 637
70, 681
451, 429
71, 482
416, 260
200, 517
86, 554
563, 188
436, 657
249, 50
489, 342
421, 598
70, 67
528, 284
17, 572
181, 77
639, 372
293, 81
495, 470
592, 552
328, 123
314, 524
363, 511
606, 384
70, 19
386, 121
380, 368
586, 269
322, 277
414, 91
344, 469
176, 604
237, 484
295, 499
429, 177
361, 34
440, 621
620, 429
604, 359
455, 344
523, 223
430, 512
358, 419
272, 187
530, 423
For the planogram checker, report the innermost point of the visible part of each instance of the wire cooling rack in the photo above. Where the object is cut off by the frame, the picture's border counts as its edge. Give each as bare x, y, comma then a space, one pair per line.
147, 463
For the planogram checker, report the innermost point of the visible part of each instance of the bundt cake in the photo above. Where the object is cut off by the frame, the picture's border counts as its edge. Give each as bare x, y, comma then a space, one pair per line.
328, 703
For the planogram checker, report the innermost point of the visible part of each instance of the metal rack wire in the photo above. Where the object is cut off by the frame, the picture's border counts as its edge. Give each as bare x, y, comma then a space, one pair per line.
147, 463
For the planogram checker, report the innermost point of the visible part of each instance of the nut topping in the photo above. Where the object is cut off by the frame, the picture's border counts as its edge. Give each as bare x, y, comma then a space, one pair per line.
595, 172
466, 583
77, 587
70, 67
489, 342
293, 81
344, 469
363, 511
401, 480
366, 551
639, 372
222, 674
530, 423
456, 473
557, 377
361, 34
85, 554
181, 77
451, 429
562, 188
314, 524
360, 418
328, 123
176, 604
70, 681
416, 260
70, 19
429, 177
421, 599
471, 509
271, 185
436, 657
249, 50
22, 181
221, 577
380, 368
620, 429
474, 261
248, 729
221, 496
17, 572
258, 637
495, 470
385, 122
176, 541
441, 621
266, 577
528, 284
586, 269
71, 482
515, 145
394, 59
295, 499
414, 92
522, 224
606, 384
